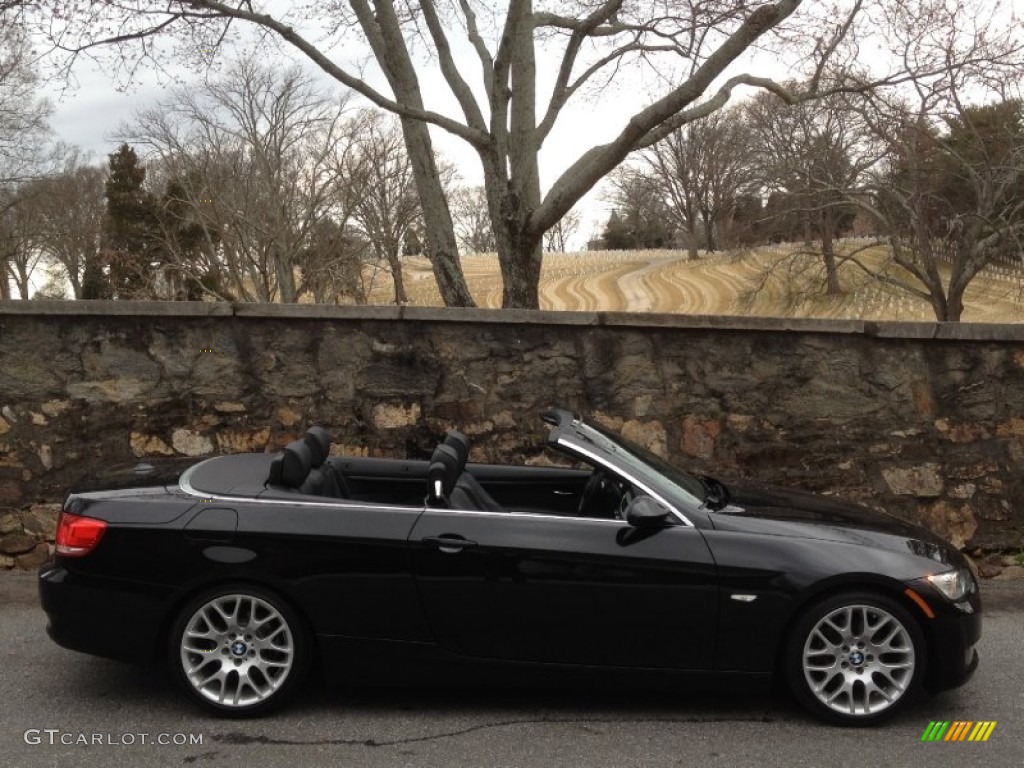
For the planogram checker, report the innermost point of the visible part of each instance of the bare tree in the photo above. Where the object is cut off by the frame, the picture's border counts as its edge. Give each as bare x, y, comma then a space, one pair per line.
950, 198
473, 225
814, 153
640, 216
380, 177
23, 130
254, 156
71, 211
23, 114
20, 229
557, 238
690, 46
703, 166
335, 263
949, 193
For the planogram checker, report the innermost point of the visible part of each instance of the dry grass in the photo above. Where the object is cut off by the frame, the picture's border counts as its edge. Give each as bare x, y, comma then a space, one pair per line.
765, 282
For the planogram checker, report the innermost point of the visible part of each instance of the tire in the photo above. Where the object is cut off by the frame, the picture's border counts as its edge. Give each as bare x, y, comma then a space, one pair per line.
855, 659
238, 650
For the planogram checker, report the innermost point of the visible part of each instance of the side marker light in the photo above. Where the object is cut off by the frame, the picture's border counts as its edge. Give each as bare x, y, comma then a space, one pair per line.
925, 608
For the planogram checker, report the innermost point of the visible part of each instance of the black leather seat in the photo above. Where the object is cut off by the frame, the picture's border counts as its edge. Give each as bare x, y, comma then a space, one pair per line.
324, 479
468, 493
302, 467
291, 468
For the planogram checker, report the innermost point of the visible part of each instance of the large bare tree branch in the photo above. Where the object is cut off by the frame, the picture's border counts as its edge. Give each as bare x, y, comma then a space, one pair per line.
461, 90
596, 162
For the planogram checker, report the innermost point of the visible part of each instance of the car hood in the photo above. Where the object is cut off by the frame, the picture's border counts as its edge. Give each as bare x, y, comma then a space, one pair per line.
771, 510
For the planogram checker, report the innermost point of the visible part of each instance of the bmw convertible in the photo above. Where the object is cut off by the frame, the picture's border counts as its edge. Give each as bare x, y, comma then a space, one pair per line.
244, 572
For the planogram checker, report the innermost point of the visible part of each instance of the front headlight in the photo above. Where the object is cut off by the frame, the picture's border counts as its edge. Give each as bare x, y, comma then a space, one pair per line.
955, 585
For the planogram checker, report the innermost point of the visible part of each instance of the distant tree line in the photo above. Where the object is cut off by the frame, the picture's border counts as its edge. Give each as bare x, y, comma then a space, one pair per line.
258, 187
937, 180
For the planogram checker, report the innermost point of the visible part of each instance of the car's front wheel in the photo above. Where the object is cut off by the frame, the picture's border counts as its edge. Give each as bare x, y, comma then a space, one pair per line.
238, 650
855, 658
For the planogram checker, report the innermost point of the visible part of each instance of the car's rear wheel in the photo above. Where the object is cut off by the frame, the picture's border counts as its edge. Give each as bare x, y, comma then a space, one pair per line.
238, 650
855, 658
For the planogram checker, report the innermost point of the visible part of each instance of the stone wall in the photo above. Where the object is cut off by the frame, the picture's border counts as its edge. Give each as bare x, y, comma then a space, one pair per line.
926, 420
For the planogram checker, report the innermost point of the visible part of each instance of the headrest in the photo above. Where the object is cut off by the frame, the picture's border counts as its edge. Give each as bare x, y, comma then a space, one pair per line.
460, 443
451, 458
320, 443
443, 471
275, 470
296, 463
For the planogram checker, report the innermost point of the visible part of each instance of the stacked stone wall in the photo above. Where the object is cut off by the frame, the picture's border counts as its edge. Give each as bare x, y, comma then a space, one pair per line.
925, 420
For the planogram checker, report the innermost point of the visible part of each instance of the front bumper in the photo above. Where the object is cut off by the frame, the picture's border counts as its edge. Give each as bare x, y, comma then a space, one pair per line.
952, 636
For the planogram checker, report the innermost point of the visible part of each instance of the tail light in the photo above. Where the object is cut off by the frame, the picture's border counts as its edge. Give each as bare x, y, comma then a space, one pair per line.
78, 536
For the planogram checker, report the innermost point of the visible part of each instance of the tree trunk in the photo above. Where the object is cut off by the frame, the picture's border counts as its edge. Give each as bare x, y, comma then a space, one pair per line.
384, 32
513, 187
23, 281
285, 280
709, 233
520, 272
954, 309
442, 248
947, 309
520, 255
952, 306
692, 251
395, 264
828, 254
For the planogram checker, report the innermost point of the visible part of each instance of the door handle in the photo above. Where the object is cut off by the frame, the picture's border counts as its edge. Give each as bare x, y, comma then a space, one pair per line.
449, 543
562, 493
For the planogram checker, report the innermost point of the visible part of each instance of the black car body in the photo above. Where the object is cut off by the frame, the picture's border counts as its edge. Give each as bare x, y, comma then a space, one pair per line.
251, 566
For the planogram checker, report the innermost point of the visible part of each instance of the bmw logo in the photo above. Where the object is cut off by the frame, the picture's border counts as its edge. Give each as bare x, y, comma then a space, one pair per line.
856, 658
238, 648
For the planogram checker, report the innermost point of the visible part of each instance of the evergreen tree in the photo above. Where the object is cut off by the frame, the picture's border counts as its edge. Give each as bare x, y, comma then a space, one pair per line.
617, 236
95, 283
413, 242
129, 227
747, 216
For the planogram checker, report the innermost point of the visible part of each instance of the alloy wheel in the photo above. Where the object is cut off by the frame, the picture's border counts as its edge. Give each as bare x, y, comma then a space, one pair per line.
237, 650
859, 660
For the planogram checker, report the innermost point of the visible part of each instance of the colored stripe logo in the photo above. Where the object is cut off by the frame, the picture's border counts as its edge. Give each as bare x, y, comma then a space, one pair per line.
958, 730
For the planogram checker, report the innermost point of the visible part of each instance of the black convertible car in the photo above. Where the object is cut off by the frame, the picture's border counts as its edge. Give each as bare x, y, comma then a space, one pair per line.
248, 569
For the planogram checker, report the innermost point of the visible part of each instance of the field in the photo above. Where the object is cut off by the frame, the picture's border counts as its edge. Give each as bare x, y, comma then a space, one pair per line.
776, 281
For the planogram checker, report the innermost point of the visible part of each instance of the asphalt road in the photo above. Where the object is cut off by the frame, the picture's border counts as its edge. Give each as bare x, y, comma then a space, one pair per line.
43, 687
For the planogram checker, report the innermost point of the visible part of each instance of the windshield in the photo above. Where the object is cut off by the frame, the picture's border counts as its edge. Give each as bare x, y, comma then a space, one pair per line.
634, 456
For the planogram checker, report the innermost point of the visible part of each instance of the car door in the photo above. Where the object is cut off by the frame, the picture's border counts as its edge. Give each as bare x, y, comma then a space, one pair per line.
346, 564
543, 588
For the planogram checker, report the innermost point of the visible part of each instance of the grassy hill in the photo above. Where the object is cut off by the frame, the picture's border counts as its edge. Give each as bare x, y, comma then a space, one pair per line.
777, 281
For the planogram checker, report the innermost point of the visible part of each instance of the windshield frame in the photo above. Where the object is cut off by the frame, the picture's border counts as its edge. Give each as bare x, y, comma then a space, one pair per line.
677, 489
690, 485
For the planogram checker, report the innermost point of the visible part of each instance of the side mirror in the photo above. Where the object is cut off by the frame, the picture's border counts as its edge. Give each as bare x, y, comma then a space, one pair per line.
645, 512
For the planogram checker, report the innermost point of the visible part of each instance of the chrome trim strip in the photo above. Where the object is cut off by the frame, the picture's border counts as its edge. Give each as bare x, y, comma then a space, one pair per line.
607, 465
527, 515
